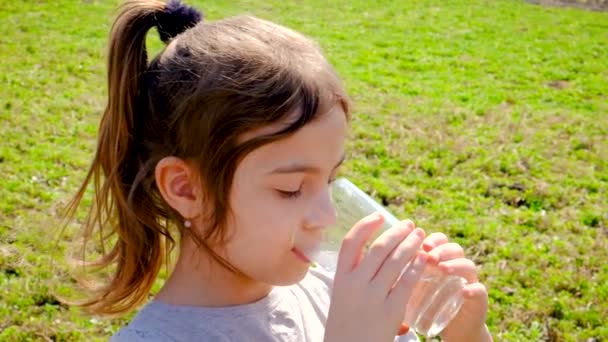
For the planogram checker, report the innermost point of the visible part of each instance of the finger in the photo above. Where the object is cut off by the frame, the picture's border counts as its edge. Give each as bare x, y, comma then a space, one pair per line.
434, 240
354, 241
476, 300
390, 269
462, 267
402, 290
384, 245
446, 251
475, 291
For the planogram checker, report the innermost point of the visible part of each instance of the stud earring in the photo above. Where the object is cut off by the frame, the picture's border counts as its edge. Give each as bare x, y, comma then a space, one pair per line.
187, 223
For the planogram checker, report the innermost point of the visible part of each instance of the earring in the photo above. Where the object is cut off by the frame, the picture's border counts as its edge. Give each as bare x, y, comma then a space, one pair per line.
187, 223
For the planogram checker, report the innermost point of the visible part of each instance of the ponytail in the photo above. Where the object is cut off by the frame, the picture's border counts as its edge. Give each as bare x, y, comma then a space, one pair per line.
125, 212
195, 101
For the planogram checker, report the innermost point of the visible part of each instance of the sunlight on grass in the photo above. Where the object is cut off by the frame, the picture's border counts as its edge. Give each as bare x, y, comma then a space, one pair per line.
486, 120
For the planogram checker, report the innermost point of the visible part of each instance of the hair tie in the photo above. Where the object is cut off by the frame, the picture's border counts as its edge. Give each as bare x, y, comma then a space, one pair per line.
175, 19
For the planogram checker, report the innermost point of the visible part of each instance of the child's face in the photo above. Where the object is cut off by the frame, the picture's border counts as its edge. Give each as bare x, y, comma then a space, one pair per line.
281, 202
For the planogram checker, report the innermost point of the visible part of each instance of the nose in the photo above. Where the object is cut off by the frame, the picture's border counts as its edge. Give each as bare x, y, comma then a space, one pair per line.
322, 212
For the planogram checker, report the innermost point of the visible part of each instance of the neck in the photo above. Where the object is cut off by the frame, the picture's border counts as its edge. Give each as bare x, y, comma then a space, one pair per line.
199, 280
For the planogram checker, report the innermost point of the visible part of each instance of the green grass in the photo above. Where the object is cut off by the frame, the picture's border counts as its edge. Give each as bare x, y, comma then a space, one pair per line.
483, 119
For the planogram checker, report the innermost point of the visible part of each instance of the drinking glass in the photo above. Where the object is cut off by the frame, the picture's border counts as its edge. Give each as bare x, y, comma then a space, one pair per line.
436, 297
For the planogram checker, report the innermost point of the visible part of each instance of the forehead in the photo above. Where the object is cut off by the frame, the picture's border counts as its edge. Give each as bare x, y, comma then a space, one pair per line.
319, 143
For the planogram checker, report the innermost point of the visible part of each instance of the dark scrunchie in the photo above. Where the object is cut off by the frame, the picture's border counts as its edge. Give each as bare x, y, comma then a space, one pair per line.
175, 19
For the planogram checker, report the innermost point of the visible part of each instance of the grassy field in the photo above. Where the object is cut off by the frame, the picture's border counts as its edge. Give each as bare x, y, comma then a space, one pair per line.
484, 119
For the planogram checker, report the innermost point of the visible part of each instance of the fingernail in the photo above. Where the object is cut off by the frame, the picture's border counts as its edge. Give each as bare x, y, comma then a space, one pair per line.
403, 329
419, 232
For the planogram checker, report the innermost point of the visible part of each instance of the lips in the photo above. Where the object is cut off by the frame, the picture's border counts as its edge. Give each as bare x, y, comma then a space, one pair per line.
300, 255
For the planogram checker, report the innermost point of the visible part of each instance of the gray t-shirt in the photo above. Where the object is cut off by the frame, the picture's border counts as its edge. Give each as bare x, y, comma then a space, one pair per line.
295, 313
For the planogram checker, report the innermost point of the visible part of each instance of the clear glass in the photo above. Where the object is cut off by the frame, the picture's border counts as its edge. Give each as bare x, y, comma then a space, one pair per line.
437, 297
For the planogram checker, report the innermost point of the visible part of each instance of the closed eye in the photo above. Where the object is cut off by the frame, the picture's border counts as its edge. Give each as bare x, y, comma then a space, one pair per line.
295, 194
290, 194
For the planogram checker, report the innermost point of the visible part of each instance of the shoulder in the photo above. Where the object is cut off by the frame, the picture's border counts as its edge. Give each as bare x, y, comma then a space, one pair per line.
128, 334
145, 326
159, 322
136, 335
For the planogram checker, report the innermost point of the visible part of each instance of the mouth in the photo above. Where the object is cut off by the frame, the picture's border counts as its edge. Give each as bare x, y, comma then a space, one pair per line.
301, 255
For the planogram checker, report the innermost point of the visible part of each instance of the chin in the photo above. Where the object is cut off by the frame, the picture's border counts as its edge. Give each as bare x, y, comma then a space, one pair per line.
291, 277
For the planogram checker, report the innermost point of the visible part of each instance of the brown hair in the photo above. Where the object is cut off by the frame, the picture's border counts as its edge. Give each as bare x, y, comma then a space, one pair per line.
210, 85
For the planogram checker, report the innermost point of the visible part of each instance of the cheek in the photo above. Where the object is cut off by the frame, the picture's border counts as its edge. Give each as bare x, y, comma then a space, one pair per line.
262, 216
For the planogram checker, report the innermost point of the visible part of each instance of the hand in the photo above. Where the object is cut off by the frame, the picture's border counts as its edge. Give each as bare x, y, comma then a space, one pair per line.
368, 292
469, 323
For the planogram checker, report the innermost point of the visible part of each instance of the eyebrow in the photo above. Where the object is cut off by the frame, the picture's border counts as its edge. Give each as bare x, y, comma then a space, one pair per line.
301, 168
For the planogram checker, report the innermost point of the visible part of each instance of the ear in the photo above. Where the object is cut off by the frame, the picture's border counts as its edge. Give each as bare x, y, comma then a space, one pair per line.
179, 184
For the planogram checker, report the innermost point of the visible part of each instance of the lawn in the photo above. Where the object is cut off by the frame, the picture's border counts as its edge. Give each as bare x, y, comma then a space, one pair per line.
484, 119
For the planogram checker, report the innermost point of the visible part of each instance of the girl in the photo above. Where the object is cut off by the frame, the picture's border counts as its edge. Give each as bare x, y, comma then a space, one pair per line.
224, 145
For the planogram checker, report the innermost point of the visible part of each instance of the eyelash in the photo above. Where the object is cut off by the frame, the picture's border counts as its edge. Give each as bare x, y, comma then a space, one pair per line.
290, 194
297, 193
